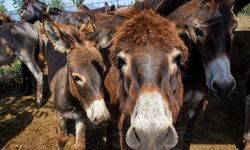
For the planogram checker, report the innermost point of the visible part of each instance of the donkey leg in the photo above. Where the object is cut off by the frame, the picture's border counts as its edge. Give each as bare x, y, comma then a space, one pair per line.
247, 124
27, 84
35, 70
62, 134
196, 105
80, 135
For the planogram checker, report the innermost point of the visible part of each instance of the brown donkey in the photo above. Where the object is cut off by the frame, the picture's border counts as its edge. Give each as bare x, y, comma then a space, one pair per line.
75, 72
144, 81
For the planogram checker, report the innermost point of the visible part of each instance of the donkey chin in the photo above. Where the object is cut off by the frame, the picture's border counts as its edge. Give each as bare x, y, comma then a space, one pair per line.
151, 124
98, 112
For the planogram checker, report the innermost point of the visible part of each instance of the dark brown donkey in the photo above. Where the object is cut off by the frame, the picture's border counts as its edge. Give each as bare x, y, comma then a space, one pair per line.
31, 43
75, 72
145, 81
210, 25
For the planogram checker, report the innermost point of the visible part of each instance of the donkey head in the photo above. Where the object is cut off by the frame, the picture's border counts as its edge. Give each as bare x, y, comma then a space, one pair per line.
211, 25
84, 66
32, 11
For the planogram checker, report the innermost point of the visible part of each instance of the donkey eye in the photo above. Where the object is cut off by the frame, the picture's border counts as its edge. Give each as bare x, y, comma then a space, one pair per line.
120, 62
78, 80
199, 32
177, 59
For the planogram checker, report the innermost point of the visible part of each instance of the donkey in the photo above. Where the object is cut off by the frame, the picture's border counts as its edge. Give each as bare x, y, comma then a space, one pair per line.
210, 28
144, 81
75, 73
10, 46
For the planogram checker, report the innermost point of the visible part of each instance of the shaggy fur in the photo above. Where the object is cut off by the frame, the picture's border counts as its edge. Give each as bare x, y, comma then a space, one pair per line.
143, 29
145, 33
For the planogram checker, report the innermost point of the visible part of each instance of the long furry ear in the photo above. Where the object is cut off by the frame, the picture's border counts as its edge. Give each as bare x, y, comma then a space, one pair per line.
55, 37
155, 5
87, 28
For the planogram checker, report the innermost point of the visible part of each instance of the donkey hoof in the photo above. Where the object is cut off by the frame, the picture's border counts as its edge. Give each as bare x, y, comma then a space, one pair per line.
39, 104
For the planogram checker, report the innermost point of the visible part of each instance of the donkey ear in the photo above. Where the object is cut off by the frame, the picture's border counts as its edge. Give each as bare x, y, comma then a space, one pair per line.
55, 37
155, 5
87, 28
106, 7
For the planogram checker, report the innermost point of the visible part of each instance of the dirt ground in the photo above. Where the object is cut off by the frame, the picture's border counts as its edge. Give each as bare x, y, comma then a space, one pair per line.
25, 127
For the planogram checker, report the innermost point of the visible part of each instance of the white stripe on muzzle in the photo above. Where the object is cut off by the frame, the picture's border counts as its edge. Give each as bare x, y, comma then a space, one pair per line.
98, 112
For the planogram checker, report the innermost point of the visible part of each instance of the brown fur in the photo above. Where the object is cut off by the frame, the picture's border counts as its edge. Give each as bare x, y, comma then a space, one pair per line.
139, 31
4, 18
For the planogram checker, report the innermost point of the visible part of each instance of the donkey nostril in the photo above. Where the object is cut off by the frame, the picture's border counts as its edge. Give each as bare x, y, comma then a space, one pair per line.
167, 133
223, 88
136, 135
215, 86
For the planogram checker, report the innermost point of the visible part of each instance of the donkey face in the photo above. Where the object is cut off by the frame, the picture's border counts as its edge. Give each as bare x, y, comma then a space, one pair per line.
147, 54
214, 30
85, 68
32, 11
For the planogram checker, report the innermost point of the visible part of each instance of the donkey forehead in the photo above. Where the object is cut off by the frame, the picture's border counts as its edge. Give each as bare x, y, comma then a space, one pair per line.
221, 13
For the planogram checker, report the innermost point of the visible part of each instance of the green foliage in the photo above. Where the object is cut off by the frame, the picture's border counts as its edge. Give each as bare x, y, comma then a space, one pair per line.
55, 3
2, 7
245, 11
13, 69
77, 3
